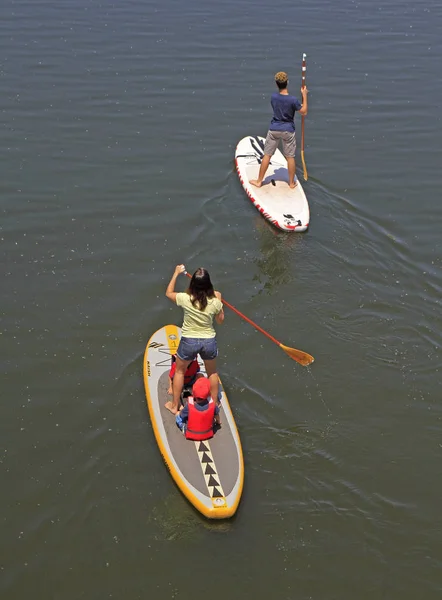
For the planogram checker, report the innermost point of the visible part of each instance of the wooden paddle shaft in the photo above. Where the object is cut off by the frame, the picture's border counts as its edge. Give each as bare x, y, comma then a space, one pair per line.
304, 69
303, 75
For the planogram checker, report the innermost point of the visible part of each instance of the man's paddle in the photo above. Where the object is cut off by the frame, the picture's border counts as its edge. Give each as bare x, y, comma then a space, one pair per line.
304, 70
301, 357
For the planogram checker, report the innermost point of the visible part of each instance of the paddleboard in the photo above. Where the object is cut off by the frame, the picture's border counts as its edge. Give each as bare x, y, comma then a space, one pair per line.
209, 473
286, 208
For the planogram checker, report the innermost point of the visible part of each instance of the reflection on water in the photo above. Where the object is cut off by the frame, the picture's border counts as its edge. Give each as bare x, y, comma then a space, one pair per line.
173, 520
274, 263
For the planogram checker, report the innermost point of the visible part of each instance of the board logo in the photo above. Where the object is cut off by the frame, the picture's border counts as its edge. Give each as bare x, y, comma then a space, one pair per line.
155, 345
290, 219
172, 336
148, 368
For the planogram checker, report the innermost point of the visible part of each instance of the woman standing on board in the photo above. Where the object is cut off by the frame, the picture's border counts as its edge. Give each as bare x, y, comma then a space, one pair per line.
201, 304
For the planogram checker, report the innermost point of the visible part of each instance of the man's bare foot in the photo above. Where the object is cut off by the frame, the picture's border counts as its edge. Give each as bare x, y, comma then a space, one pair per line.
256, 183
293, 185
171, 408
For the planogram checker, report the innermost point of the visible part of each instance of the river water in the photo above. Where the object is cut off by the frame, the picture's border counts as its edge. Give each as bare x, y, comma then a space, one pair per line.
119, 122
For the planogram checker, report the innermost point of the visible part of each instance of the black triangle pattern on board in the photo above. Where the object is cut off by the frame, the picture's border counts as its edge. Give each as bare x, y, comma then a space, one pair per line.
209, 470
206, 458
212, 481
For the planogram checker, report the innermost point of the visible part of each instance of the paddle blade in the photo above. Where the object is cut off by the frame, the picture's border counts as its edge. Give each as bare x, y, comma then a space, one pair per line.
304, 166
301, 357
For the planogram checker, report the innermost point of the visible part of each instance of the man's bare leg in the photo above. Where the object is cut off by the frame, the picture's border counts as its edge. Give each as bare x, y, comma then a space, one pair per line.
262, 171
291, 165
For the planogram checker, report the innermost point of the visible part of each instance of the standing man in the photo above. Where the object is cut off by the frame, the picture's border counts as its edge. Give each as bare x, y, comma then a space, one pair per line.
282, 128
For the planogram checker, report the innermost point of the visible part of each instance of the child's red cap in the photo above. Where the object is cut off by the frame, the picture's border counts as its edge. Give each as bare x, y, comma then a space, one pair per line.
201, 388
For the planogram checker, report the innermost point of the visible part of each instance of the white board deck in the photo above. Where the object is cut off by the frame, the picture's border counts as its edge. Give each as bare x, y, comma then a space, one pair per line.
286, 208
210, 473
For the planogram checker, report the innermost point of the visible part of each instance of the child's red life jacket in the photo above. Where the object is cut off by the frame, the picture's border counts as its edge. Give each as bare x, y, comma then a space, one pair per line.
190, 373
200, 422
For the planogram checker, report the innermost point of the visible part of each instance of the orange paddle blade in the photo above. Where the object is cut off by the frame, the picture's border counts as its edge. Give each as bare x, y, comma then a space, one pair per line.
301, 357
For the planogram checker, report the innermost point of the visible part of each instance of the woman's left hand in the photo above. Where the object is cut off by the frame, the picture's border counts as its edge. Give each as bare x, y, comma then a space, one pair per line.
179, 269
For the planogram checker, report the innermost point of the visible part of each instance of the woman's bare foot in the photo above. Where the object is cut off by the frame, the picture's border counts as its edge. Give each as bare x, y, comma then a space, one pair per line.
171, 408
256, 183
170, 390
293, 185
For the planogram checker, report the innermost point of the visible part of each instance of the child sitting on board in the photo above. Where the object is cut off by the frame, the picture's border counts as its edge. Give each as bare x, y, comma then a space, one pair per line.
190, 375
197, 418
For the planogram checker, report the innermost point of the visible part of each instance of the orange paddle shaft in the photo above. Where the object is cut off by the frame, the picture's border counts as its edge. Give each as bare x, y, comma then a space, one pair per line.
298, 355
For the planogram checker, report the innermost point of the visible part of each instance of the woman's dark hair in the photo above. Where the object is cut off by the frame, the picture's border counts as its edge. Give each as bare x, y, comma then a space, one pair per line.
200, 288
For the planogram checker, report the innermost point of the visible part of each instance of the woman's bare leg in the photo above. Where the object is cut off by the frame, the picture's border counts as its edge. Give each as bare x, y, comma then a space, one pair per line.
212, 374
177, 385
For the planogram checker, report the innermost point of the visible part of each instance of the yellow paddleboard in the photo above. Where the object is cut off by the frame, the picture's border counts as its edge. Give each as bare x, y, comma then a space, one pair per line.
209, 473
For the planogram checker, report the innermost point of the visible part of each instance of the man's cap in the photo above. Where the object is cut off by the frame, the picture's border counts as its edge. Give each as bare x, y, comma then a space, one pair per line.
201, 388
281, 77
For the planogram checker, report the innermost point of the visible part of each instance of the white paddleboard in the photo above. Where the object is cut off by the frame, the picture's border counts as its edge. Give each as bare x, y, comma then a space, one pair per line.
286, 208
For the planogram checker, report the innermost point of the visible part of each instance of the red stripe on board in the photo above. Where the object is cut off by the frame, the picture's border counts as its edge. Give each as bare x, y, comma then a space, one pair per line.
260, 209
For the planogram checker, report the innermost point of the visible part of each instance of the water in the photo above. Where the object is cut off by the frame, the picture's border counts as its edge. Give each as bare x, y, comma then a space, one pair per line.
119, 123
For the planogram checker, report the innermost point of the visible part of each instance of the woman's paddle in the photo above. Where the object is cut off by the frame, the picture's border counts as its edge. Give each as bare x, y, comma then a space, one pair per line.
304, 70
301, 357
